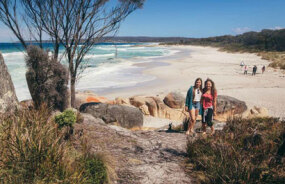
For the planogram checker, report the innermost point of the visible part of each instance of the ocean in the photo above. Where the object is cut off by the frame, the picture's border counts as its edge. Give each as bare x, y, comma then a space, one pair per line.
109, 65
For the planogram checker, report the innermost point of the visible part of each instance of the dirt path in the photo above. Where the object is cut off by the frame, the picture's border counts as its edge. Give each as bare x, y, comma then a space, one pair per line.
142, 157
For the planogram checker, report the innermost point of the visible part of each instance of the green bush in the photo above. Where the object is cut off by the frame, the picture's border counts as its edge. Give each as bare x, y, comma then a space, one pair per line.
94, 169
66, 119
244, 152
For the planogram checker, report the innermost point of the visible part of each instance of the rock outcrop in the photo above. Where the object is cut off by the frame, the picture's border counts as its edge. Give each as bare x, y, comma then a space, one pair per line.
228, 106
82, 97
256, 112
8, 98
138, 157
127, 117
174, 100
155, 107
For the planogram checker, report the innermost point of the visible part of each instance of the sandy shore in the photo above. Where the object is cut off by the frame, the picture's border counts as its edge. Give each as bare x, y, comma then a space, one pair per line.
178, 72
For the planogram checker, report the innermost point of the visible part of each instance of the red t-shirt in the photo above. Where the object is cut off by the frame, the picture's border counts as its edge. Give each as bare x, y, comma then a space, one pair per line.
208, 100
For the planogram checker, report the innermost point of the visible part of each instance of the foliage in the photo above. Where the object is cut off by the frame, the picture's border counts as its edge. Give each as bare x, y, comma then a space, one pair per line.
266, 40
67, 118
246, 151
33, 150
94, 169
47, 79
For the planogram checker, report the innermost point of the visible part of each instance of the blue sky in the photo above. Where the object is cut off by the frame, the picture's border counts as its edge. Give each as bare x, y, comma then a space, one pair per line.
203, 18
197, 18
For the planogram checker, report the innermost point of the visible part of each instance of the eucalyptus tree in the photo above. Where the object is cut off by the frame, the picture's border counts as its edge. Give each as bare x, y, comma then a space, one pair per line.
76, 25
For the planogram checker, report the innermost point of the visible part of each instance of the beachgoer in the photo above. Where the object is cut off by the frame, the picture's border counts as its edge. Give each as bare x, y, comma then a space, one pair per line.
263, 69
245, 69
254, 69
241, 64
209, 103
192, 104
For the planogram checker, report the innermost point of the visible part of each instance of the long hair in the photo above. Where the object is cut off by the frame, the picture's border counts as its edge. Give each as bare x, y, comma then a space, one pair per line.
198, 79
195, 86
213, 89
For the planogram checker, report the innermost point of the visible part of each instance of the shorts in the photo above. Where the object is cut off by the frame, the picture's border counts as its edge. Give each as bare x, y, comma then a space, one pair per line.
195, 105
207, 116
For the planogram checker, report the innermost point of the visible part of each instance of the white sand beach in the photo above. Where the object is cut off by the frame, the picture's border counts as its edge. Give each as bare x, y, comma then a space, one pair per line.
178, 72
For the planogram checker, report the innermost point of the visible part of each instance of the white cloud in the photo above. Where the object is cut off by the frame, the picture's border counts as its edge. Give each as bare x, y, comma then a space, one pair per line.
277, 28
241, 30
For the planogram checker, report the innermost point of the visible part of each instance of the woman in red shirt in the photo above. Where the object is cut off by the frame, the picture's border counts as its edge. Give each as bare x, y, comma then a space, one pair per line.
209, 103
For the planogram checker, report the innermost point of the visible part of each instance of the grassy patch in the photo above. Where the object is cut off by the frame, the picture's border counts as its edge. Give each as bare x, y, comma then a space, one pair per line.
277, 59
246, 151
33, 150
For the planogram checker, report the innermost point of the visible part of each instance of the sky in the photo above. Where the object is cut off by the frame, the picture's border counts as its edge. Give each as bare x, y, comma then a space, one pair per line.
197, 18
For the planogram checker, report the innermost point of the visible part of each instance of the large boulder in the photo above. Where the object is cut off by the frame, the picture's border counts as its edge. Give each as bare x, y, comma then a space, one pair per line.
174, 100
127, 117
228, 106
8, 98
155, 107
82, 97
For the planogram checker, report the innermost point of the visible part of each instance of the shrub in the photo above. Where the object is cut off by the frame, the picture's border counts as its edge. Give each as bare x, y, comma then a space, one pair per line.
47, 79
67, 118
244, 152
94, 169
33, 150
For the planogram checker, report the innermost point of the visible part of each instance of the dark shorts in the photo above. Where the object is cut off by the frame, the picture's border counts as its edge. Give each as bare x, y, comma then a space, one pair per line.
207, 116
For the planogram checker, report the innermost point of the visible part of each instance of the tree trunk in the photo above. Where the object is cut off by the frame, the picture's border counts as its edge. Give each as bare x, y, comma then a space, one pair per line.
72, 91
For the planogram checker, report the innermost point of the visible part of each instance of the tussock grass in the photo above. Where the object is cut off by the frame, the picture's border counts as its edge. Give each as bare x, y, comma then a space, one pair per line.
277, 59
246, 151
33, 150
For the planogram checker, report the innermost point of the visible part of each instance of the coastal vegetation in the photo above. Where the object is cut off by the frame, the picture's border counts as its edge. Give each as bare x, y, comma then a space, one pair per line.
47, 79
34, 150
246, 151
270, 44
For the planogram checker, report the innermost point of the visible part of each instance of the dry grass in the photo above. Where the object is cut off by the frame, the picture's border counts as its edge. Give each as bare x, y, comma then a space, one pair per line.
246, 151
33, 150
277, 59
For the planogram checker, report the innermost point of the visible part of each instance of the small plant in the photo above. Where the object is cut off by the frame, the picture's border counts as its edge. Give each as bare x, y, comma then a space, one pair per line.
93, 169
66, 119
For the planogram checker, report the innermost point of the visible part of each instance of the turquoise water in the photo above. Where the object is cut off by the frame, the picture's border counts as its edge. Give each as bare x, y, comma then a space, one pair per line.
108, 65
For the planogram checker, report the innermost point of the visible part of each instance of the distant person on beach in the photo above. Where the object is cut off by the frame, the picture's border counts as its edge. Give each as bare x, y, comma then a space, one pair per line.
242, 64
192, 104
245, 70
209, 104
254, 69
263, 69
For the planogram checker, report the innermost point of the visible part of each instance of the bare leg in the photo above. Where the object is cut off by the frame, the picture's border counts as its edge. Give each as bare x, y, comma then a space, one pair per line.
212, 130
193, 119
